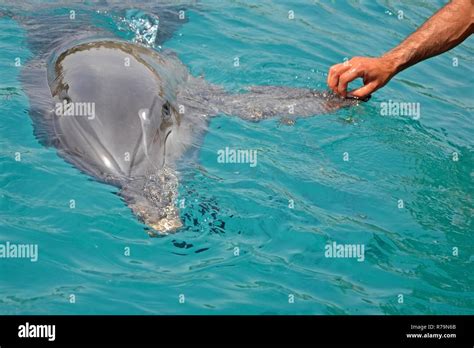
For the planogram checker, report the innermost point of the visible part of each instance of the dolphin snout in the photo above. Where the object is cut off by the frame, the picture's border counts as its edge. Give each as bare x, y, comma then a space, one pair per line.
165, 226
162, 221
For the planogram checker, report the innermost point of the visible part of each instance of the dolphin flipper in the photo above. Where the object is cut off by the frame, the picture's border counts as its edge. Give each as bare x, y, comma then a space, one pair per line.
260, 102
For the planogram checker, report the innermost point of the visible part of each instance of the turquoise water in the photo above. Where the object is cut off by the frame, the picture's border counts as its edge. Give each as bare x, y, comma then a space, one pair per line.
408, 251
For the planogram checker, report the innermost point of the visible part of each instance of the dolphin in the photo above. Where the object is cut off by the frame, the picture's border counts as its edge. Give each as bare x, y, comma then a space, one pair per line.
125, 113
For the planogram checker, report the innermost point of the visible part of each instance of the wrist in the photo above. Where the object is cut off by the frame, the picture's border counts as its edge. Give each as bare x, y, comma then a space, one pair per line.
394, 62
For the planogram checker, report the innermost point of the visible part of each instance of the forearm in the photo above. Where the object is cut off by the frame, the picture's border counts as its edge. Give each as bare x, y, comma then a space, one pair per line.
447, 28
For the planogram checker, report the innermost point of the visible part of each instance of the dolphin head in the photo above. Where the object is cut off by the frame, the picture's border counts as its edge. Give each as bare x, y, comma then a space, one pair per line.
134, 134
132, 93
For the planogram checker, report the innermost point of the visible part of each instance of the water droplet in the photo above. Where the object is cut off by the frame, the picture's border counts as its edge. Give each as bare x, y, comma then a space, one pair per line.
144, 25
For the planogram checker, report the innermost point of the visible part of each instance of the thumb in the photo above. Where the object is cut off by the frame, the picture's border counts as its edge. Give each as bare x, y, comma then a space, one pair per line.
363, 91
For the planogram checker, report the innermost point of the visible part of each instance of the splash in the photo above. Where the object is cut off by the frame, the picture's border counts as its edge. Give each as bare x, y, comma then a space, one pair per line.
144, 25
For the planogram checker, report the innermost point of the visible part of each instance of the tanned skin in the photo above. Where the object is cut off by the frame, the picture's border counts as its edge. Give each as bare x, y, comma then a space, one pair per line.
446, 29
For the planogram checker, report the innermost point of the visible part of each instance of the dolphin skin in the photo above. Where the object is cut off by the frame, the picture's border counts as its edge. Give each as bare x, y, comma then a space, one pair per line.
125, 113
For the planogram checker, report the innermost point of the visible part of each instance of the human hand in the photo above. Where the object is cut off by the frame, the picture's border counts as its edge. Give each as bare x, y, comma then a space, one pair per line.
375, 72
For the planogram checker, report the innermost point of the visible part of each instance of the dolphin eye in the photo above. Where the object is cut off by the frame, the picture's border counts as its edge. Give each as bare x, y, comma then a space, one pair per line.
166, 112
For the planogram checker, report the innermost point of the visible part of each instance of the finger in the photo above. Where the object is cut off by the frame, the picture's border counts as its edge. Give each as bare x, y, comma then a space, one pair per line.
345, 78
364, 91
333, 77
334, 73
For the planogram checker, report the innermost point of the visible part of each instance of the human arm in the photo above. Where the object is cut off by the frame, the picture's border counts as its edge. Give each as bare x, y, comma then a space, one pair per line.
446, 29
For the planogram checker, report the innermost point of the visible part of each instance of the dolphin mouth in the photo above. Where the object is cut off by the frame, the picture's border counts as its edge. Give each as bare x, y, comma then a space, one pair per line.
153, 200
165, 227
167, 223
